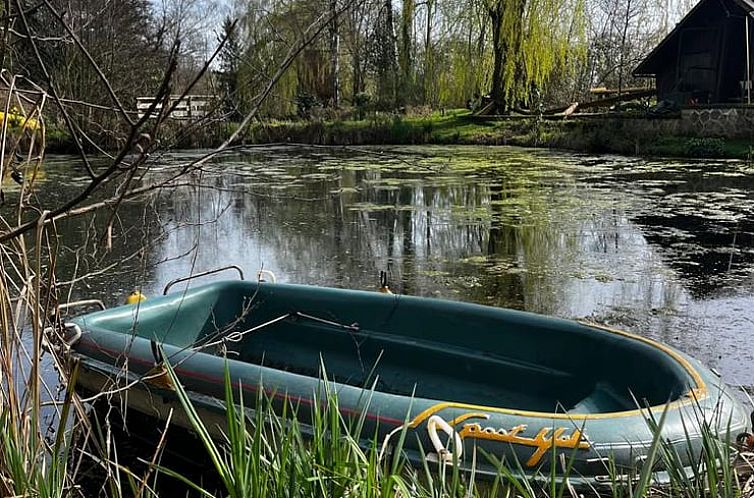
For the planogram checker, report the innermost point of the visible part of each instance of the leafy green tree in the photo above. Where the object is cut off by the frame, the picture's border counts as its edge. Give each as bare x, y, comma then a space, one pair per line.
531, 40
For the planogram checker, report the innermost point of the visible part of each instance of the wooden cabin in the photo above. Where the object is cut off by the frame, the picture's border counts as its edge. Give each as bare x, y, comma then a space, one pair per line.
707, 58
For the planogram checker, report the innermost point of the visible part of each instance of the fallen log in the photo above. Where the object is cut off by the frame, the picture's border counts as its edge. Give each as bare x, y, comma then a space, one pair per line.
563, 109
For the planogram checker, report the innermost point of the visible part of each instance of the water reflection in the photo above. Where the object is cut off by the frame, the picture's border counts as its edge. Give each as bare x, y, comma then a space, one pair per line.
661, 248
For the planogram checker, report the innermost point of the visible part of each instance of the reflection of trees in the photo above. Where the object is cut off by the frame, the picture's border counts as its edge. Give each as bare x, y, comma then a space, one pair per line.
527, 247
308, 234
505, 238
502, 242
707, 254
701, 222
415, 228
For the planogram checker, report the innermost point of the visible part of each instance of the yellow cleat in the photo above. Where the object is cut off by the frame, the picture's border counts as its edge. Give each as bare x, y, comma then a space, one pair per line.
135, 297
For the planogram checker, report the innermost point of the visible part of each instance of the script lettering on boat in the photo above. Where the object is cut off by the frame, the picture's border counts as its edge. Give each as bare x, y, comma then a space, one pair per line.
545, 439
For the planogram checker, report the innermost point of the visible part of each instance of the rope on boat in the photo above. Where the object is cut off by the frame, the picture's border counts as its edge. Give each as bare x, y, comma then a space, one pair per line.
237, 336
65, 343
223, 338
261, 273
354, 326
386, 440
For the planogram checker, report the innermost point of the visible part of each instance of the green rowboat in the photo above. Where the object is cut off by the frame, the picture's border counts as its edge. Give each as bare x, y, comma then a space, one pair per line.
460, 377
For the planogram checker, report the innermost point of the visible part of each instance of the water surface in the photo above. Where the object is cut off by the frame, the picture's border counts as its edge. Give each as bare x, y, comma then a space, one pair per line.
661, 248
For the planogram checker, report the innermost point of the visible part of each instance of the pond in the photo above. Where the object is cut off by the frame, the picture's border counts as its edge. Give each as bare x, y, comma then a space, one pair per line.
661, 248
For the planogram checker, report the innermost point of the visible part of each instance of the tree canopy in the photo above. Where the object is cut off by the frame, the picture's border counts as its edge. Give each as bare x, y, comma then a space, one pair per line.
383, 54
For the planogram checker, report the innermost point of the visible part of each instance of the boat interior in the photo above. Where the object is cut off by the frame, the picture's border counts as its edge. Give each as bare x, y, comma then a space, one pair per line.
416, 347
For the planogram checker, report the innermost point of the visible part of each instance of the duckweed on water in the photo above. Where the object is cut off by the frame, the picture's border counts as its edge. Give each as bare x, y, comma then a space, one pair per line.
369, 207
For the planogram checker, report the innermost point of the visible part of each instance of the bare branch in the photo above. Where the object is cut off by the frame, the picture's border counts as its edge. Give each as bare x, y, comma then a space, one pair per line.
92, 62
66, 117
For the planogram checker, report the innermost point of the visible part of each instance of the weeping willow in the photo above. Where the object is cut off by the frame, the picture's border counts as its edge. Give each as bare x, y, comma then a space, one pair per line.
533, 40
445, 53
267, 37
463, 74
461, 59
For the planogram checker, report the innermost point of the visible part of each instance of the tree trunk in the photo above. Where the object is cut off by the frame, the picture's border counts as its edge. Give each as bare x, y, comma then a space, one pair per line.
354, 34
386, 85
428, 57
334, 49
520, 71
406, 48
392, 48
498, 53
356, 83
626, 22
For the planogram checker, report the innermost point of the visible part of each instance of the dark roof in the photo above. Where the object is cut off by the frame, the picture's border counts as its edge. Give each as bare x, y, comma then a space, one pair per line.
645, 67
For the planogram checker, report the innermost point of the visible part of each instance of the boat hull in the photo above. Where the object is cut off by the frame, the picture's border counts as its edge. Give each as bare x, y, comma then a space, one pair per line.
447, 432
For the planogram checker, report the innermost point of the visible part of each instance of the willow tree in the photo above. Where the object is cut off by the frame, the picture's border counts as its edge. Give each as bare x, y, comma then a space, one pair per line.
531, 39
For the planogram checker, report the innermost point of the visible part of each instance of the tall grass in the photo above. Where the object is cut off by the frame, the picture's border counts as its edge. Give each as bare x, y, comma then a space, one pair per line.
268, 454
30, 464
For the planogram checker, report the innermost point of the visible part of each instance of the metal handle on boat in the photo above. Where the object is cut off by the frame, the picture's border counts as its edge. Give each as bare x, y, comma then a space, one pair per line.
202, 274
83, 302
67, 343
76, 334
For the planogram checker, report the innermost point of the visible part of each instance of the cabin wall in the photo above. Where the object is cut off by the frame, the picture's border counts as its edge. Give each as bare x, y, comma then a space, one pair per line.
698, 61
704, 60
665, 83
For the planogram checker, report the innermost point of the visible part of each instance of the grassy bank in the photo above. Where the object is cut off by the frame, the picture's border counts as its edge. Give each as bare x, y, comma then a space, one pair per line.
457, 127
